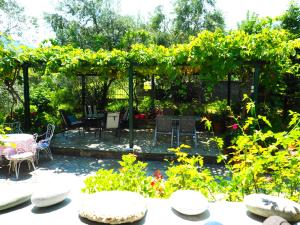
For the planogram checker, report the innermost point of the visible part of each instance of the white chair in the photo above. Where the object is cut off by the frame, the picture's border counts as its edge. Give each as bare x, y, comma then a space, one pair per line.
44, 144
113, 122
23, 153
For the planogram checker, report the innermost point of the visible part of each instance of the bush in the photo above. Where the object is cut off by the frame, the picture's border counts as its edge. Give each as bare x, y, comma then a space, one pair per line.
132, 177
117, 105
261, 161
188, 173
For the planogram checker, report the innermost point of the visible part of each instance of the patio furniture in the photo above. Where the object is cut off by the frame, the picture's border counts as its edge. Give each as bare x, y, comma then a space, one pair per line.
164, 125
98, 123
124, 118
71, 122
92, 112
15, 128
113, 122
44, 143
19, 148
187, 127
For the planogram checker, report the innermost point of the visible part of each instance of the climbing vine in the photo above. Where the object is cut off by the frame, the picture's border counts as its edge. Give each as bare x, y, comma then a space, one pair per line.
211, 54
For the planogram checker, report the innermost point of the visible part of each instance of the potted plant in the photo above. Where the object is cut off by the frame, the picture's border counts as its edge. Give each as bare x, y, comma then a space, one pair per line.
216, 112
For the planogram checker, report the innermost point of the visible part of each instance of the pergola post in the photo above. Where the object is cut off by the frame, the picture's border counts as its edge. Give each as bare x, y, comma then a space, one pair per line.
27, 124
83, 93
255, 83
228, 88
152, 94
130, 104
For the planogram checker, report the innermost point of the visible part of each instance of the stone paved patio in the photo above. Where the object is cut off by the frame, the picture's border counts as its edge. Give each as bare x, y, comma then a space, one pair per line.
109, 146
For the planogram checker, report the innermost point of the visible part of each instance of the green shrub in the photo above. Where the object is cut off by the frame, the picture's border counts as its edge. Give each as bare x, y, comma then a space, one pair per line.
188, 173
130, 177
117, 105
263, 161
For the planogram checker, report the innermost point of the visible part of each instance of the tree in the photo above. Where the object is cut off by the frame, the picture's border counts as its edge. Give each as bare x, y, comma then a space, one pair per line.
157, 20
92, 24
253, 24
136, 36
159, 26
193, 16
290, 20
13, 20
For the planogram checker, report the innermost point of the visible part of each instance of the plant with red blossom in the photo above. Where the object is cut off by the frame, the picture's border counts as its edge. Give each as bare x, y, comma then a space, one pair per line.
157, 183
235, 126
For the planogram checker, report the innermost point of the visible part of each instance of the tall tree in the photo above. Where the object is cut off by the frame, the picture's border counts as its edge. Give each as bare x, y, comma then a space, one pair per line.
13, 20
253, 24
90, 24
192, 16
291, 19
159, 26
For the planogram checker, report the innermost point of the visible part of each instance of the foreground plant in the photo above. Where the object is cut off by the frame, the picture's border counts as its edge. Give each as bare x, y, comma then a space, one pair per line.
187, 172
262, 161
130, 177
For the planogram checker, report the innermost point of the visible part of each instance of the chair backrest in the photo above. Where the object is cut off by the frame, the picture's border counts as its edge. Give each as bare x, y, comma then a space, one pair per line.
90, 111
50, 131
125, 116
164, 123
14, 126
112, 120
95, 112
187, 124
25, 147
64, 117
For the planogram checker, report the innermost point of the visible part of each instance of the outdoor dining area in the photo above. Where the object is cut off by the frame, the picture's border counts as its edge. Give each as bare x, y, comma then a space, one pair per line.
17, 147
107, 135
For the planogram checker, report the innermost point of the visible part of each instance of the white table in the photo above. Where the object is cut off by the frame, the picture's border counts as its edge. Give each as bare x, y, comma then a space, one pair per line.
16, 142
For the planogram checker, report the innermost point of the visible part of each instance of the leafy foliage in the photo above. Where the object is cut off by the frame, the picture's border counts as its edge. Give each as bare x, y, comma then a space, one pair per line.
263, 161
188, 173
192, 16
131, 177
290, 20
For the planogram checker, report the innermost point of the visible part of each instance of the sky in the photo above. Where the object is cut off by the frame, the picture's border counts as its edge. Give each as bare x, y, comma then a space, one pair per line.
233, 10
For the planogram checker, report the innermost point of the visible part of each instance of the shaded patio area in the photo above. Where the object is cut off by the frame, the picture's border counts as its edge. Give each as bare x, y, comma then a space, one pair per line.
110, 146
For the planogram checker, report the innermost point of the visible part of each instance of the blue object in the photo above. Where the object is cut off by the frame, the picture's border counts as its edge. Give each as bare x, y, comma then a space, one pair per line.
72, 119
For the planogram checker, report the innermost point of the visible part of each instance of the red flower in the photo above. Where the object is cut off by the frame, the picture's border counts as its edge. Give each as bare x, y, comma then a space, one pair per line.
158, 175
235, 126
153, 183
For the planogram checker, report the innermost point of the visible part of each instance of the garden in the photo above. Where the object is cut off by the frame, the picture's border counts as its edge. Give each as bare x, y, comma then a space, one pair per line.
258, 151
245, 87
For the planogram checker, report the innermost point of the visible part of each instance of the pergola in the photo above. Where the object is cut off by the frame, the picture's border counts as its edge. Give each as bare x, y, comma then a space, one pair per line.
27, 123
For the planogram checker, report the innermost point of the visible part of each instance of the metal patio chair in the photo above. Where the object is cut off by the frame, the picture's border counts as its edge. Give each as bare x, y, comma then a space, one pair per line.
23, 153
187, 127
44, 143
165, 126
70, 122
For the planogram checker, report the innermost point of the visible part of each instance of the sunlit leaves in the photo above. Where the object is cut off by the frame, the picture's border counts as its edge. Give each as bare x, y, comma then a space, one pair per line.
212, 55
